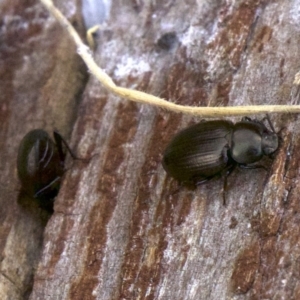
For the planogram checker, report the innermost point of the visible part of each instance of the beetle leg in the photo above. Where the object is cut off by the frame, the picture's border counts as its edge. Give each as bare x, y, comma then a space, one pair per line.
198, 182
37, 194
59, 140
228, 172
249, 167
267, 117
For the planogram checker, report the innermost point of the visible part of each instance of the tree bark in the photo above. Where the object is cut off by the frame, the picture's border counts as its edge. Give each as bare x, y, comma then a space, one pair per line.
42, 79
122, 228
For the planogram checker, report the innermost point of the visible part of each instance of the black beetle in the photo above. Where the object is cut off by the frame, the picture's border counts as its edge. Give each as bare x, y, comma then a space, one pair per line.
40, 165
212, 148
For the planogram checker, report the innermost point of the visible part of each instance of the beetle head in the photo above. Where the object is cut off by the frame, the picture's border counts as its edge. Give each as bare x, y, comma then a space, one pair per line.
269, 142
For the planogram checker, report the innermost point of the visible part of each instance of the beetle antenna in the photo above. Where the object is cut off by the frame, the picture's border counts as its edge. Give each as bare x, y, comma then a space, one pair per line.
270, 123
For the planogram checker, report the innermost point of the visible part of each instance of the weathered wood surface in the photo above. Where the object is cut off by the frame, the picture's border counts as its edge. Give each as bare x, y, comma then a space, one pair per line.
121, 228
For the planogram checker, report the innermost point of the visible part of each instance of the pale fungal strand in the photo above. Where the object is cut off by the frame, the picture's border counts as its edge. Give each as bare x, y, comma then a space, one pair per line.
89, 36
142, 97
297, 78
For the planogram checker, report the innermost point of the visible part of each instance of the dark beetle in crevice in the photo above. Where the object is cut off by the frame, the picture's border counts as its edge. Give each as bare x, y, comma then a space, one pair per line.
212, 148
41, 164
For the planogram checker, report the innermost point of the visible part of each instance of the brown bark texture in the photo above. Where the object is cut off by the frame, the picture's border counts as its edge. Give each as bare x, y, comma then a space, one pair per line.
122, 228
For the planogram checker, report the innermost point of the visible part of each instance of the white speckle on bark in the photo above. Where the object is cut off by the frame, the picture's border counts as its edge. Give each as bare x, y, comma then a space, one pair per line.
131, 66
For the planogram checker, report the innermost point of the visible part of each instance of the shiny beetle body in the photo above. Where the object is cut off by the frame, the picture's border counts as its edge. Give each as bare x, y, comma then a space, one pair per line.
40, 165
212, 148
